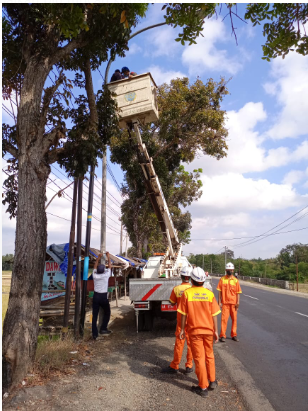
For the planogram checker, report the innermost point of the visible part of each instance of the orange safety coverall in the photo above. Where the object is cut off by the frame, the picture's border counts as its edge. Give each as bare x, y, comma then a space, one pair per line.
200, 306
229, 287
175, 297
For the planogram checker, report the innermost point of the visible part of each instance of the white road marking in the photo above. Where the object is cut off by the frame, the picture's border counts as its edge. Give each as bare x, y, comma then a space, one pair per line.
301, 314
254, 298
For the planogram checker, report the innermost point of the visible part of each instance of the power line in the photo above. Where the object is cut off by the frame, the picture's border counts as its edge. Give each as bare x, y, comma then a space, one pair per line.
238, 238
66, 219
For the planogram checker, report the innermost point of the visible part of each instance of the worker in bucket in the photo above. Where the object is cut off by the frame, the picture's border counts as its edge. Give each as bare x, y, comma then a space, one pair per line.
101, 276
126, 73
229, 291
175, 297
116, 76
199, 310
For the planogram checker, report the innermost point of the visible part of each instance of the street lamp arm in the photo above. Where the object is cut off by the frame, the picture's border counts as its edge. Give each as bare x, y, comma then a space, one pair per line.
132, 36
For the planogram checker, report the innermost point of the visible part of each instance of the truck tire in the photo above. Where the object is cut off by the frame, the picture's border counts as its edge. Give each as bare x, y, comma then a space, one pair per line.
141, 319
148, 320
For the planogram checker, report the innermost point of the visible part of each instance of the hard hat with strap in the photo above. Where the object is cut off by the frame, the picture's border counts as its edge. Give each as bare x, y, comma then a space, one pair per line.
198, 275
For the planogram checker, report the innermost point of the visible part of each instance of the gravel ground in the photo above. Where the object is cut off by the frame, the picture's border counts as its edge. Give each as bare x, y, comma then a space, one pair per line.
124, 374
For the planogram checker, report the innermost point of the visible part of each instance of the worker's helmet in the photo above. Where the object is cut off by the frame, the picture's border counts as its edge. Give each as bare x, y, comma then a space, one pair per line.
198, 275
186, 271
229, 266
125, 69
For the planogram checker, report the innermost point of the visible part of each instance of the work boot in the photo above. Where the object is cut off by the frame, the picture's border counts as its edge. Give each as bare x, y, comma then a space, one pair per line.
169, 370
198, 390
213, 385
222, 339
235, 339
188, 370
105, 332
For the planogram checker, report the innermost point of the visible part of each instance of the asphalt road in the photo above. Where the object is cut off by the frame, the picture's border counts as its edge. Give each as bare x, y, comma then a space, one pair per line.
273, 347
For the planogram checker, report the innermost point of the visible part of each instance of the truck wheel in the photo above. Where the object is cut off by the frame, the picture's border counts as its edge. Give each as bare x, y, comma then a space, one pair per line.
141, 319
148, 320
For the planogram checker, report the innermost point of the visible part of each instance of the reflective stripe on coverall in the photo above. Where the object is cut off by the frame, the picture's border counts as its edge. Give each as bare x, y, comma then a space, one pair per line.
229, 287
175, 297
200, 306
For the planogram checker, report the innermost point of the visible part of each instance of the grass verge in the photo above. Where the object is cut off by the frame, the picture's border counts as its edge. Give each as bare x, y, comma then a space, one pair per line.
54, 358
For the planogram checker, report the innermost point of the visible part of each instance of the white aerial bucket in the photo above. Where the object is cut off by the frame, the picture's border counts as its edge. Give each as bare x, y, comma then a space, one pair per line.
136, 98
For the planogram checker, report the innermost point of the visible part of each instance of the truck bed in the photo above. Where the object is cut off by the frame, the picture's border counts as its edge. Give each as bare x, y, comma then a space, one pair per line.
151, 289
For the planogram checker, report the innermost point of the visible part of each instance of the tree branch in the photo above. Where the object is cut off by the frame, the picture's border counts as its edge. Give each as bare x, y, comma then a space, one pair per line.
59, 193
6, 146
51, 139
53, 154
49, 93
66, 50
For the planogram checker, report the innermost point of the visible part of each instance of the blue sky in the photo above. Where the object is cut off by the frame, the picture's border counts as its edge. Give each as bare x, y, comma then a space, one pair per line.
264, 179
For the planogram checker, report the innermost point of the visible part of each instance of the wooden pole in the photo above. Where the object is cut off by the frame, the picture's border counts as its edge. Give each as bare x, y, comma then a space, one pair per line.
70, 260
78, 258
87, 251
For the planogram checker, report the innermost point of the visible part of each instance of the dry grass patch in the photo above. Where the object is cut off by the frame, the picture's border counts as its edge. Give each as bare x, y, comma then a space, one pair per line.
54, 358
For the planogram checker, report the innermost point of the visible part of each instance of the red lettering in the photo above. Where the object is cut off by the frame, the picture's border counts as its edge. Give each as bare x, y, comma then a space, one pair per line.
56, 267
47, 267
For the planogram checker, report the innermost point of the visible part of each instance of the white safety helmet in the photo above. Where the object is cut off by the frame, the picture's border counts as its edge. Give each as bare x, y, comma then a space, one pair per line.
198, 275
186, 271
229, 266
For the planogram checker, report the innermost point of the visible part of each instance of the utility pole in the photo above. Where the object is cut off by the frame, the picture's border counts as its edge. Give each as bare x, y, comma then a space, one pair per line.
296, 273
78, 259
121, 237
87, 251
70, 261
225, 258
239, 267
211, 267
126, 245
103, 210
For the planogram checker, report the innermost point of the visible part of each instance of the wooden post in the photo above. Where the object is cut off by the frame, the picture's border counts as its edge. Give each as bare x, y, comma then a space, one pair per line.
70, 261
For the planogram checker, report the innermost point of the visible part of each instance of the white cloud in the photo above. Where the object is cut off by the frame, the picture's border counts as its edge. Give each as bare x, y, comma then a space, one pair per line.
293, 177
133, 49
205, 55
234, 192
160, 76
290, 87
246, 152
161, 42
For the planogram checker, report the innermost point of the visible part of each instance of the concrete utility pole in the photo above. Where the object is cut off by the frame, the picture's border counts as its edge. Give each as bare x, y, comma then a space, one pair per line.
296, 273
225, 258
126, 245
121, 237
103, 210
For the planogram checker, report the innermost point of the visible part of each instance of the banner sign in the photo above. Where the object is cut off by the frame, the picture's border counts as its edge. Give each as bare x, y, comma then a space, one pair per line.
53, 280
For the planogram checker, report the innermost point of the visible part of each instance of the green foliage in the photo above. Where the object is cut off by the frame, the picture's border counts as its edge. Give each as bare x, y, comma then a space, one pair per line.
190, 16
7, 262
190, 121
283, 28
283, 267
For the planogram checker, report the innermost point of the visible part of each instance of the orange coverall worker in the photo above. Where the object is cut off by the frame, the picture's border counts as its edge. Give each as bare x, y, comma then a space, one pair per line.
229, 287
175, 297
200, 306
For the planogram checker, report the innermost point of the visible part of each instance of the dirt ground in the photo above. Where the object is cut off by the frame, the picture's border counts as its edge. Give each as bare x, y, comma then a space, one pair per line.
123, 373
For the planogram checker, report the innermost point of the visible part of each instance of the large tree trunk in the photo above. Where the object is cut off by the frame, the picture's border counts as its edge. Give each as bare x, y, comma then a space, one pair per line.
21, 324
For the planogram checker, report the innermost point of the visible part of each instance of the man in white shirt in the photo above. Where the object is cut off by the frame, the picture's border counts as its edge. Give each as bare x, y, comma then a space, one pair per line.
101, 276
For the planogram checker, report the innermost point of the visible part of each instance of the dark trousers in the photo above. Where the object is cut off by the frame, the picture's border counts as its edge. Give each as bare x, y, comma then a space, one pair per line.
100, 300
